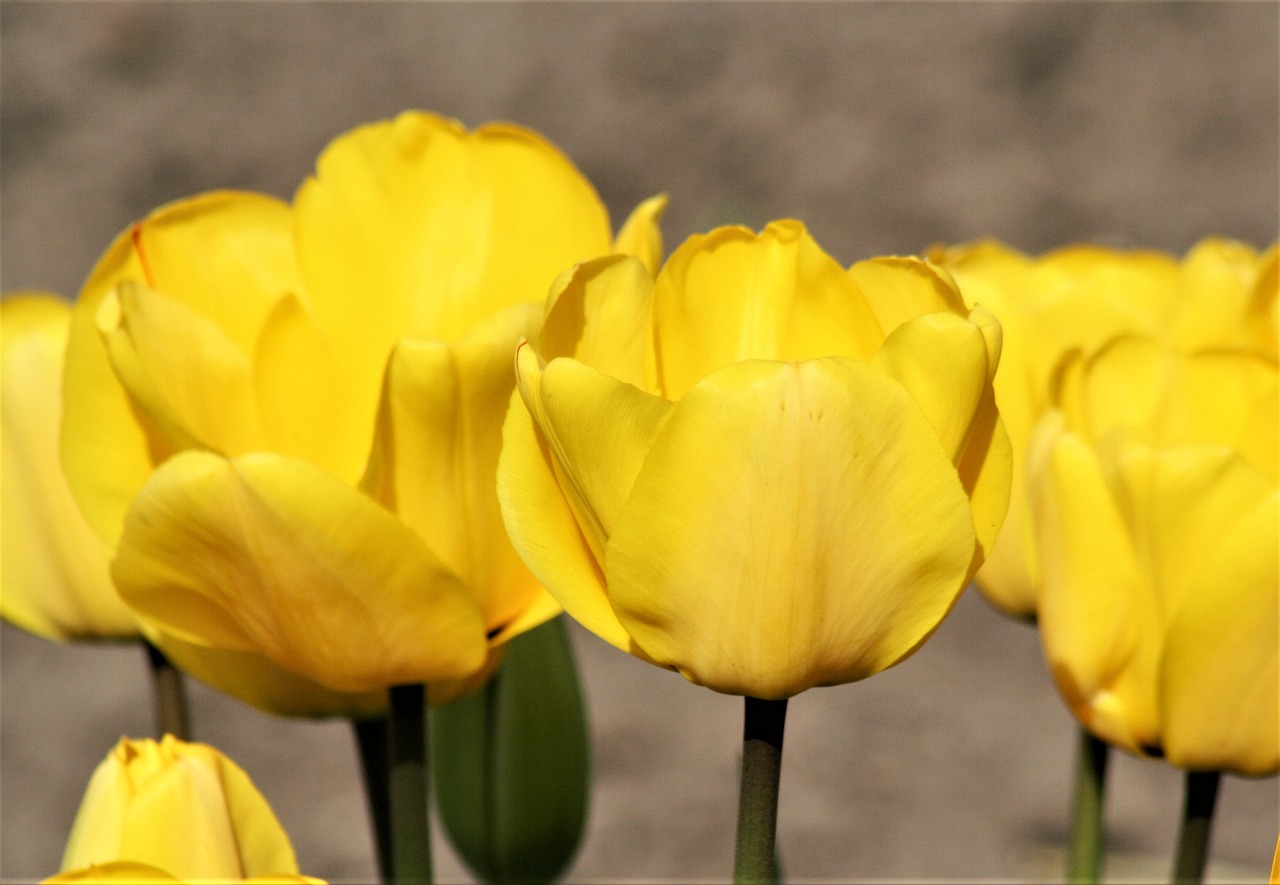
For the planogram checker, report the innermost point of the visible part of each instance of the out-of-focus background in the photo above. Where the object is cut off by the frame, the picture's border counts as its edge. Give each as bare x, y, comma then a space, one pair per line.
886, 127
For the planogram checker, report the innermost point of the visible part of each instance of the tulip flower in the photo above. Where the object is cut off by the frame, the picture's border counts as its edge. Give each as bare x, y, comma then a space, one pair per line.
759, 469
285, 420
175, 812
1154, 503
54, 579
1075, 297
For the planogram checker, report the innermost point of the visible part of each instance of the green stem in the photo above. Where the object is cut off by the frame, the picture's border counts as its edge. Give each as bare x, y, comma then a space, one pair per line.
1084, 862
762, 727
407, 778
1200, 795
372, 738
170, 694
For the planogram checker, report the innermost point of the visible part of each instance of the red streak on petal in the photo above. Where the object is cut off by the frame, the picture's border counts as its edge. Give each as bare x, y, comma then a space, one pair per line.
136, 234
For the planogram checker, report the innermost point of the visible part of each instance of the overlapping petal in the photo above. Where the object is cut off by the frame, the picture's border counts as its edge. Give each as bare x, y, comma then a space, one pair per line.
54, 579
794, 525
269, 554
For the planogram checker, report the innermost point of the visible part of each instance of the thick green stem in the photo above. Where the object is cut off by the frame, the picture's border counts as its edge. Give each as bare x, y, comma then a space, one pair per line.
1084, 863
170, 693
407, 751
762, 727
1201, 794
372, 737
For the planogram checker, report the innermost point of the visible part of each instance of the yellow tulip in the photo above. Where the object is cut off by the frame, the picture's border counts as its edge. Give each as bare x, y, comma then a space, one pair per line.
54, 579
1077, 298
171, 811
1154, 503
286, 419
759, 469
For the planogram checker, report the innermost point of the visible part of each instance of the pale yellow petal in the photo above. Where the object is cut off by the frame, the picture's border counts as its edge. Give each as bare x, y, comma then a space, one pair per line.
435, 457
1220, 708
54, 579
272, 555
119, 871
795, 524
732, 295
181, 371
641, 233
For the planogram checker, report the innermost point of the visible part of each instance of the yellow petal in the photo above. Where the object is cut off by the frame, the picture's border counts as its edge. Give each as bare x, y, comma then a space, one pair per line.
1219, 706
1097, 617
901, 289
1259, 442
795, 524
272, 555
599, 313
54, 580
180, 369
255, 680
641, 233
184, 808
303, 401
414, 226
772, 296
124, 871
598, 430
435, 456
543, 529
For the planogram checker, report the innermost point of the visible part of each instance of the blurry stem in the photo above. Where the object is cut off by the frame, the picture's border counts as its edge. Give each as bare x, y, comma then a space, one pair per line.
762, 727
1201, 793
372, 738
407, 786
170, 695
1084, 863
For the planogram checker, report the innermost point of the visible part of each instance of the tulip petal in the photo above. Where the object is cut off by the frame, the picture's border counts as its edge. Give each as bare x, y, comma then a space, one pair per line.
545, 532
124, 871
54, 580
772, 296
254, 679
414, 226
435, 456
181, 370
641, 233
272, 555
1219, 705
795, 524
301, 395
901, 289
598, 430
1098, 619
599, 314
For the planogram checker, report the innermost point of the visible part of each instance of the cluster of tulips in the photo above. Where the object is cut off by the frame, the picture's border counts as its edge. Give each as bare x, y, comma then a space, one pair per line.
354, 455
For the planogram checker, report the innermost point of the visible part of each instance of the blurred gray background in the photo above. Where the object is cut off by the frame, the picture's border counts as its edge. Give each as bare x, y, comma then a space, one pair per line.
887, 127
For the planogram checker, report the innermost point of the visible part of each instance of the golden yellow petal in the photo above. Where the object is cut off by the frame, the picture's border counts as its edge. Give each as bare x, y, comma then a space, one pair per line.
900, 289
794, 524
435, 456
414, 226
1219, 705
272, 555
732, 295
641, 233
181, 371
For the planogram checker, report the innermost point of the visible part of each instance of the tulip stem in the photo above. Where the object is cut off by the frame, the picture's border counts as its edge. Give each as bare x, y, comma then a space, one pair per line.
762, 727
407, 786
1084, 862
170, 694
372, 737
1200, 795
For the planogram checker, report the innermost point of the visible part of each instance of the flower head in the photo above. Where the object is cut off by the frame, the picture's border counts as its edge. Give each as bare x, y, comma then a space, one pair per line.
758, 469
